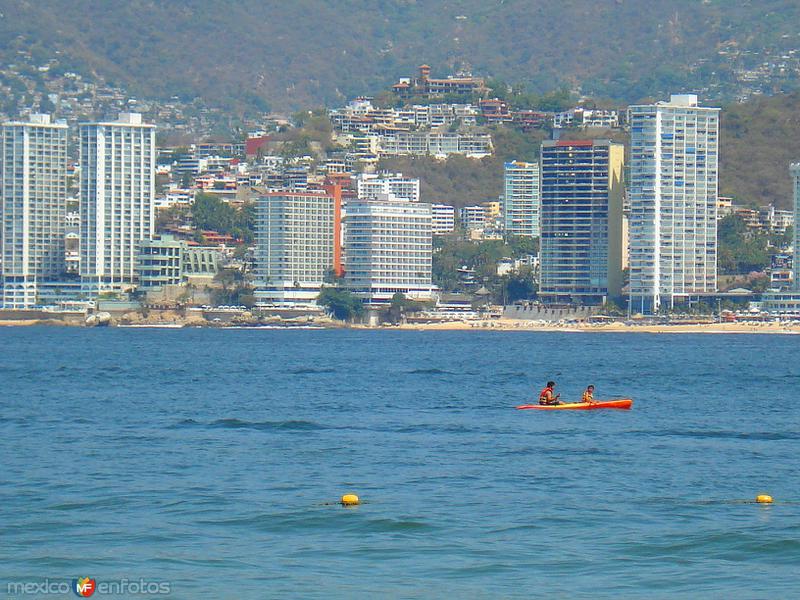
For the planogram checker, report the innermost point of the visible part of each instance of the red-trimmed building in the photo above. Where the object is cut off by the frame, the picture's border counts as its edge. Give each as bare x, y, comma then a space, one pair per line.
425, 85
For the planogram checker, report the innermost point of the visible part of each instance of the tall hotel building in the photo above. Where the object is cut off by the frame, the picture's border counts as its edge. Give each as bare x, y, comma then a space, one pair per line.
673, 202
521, 199
117, 188
581, 221
33, 207
388, 249
794, 169
298, 244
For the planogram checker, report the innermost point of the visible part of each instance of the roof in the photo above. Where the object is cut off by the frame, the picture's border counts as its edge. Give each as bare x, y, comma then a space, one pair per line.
562, 143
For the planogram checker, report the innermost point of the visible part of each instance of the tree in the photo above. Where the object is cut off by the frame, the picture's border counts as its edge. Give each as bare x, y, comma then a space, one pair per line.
342, 304
518, 286
401, 305
211, 213
46, 106
740, 249
235, 289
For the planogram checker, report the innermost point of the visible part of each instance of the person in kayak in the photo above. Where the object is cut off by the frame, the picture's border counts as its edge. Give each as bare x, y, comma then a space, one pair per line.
547, 397
588, 395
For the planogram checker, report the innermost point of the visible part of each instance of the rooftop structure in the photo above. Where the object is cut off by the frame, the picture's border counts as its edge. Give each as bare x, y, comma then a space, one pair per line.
425, 85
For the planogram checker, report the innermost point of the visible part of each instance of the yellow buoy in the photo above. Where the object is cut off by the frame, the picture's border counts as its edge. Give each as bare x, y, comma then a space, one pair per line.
350, 500
764, 499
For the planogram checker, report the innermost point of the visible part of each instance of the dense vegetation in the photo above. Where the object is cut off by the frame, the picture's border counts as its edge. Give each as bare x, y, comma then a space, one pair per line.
209, 213
461, 181
254, 54
742, 251
452, 253
341, 303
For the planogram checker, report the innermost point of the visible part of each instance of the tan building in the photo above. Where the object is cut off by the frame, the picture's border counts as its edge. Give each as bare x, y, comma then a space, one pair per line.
582, 224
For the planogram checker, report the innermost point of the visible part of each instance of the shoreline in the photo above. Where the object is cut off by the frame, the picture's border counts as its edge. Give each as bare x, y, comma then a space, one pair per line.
706, 328
505, 325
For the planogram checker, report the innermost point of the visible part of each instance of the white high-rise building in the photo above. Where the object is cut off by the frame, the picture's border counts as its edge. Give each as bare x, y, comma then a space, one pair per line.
371, 186
795, 171
521, 199
33, 208
297, 246
117, 194
443, 219
673, 202
388, 249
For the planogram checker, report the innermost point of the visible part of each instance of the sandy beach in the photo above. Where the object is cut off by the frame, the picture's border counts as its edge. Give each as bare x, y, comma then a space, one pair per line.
176, 322
517, 325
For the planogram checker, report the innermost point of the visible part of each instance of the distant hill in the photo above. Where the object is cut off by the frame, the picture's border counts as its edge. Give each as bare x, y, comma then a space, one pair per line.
254, 53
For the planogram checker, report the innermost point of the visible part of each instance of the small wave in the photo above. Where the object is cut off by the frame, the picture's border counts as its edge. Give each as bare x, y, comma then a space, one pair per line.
87, 504
184, 423
733, 435
267, 425
735, 546
394, 525
275, 522
423, 427
257, 425
433, 371
309, 371
514, 374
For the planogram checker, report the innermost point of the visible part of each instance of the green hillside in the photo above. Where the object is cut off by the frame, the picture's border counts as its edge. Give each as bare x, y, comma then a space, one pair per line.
759, 140
307, 52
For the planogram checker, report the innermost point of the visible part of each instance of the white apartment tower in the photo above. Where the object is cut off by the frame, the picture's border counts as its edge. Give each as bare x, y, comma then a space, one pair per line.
373, 186
297, 246
388, 249
33, 207
795, 171
673, 202
117, 189
521, 199
443, 219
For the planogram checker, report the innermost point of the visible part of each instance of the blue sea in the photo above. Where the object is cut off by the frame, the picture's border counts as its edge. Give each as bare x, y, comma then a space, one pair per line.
212, 461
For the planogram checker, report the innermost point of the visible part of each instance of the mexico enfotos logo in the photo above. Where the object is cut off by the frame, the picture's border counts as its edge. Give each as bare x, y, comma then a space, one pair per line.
84, 587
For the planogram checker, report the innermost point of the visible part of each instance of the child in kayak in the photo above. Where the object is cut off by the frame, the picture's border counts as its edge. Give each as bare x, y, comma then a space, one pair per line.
547, 397
588, 395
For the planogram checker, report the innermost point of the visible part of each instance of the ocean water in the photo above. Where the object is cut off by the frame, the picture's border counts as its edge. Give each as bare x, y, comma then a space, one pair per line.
212, 460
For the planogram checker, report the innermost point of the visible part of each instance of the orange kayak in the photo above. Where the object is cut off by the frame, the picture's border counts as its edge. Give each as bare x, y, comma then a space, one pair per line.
620, 403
